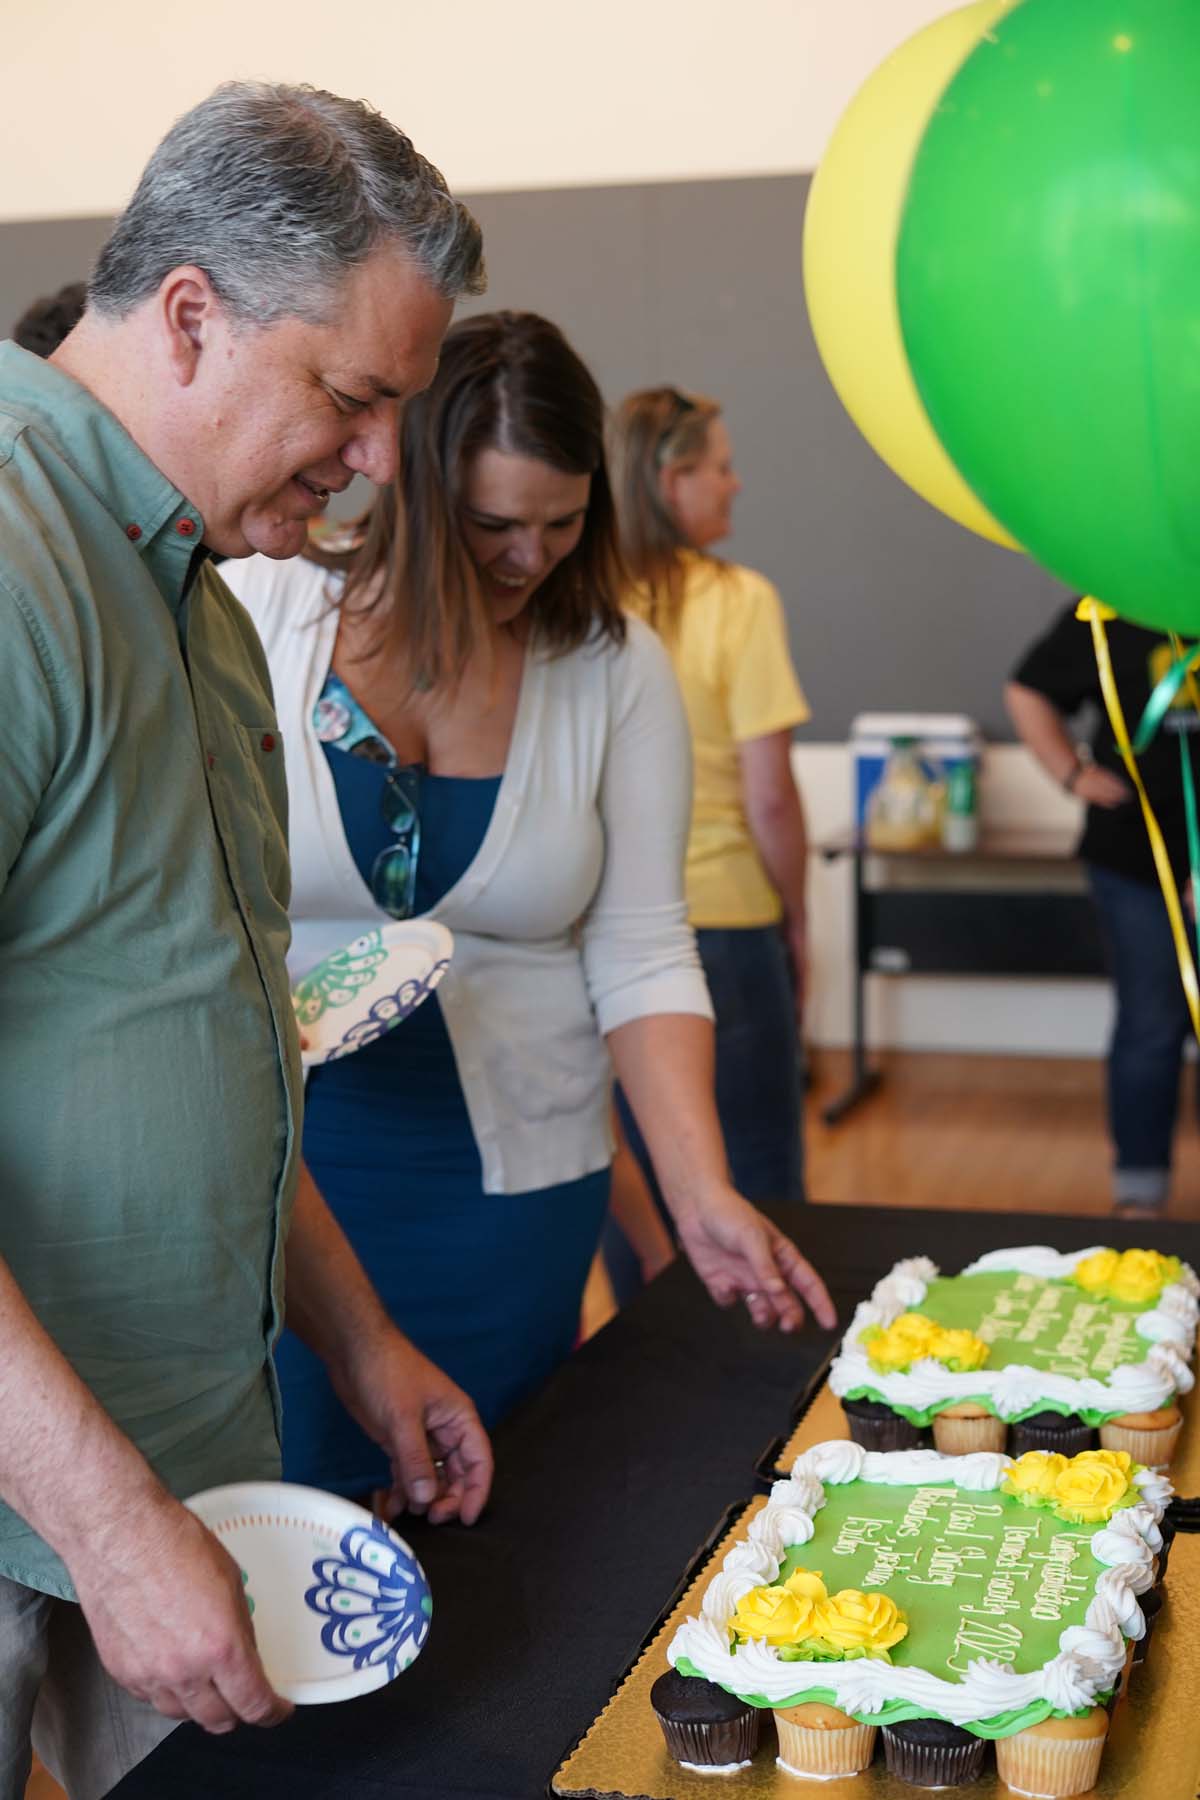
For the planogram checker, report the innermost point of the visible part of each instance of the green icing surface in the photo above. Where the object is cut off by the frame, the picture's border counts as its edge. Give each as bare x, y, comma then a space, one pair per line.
974, 1574
1050, 1325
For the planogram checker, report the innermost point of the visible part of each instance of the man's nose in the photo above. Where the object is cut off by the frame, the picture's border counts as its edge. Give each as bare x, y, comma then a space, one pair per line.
374, 450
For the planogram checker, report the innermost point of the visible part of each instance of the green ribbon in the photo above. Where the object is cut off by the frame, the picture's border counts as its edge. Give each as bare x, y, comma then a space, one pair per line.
1163, 698
1193, 834
1158, 706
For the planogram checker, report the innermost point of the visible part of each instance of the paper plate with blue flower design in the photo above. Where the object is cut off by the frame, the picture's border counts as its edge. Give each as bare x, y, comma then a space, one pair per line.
370, 985
339, 1602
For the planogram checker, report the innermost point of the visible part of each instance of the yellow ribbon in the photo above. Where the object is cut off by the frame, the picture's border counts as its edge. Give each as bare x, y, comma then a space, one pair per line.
1096, 614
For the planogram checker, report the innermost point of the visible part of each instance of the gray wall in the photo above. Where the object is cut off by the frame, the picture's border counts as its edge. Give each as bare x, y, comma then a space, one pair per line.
891, 606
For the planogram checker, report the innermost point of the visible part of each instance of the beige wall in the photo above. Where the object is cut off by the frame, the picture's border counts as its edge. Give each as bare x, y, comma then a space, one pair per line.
503, 94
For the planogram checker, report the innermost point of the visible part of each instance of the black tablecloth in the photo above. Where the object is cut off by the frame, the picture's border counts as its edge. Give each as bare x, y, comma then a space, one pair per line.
606, 1484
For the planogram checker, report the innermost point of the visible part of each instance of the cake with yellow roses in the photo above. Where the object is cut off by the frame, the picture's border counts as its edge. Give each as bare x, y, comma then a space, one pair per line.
939, 1603
1027, 1348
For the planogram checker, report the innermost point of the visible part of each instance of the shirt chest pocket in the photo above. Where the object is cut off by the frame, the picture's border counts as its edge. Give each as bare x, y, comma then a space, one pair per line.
255, 791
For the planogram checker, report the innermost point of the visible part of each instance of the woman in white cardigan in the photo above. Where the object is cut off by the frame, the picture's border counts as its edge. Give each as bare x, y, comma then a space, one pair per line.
475, 733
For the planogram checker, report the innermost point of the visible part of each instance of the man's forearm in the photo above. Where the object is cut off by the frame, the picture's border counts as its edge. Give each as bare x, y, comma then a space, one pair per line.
64, 1463
330, 1302
1042, 729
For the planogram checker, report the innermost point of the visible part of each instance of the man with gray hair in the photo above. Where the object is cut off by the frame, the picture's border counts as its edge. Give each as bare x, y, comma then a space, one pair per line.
278, 285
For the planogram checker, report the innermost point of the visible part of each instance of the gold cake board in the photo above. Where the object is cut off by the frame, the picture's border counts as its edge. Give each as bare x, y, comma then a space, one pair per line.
1152, 1753
825, 1419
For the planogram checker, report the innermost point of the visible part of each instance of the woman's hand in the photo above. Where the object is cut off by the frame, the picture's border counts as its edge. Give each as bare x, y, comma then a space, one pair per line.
740, 1255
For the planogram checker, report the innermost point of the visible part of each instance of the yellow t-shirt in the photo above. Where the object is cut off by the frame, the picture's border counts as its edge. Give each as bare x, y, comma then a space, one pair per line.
730, 652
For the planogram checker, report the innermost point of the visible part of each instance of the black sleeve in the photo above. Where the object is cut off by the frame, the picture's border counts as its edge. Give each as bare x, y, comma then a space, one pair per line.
1062, 664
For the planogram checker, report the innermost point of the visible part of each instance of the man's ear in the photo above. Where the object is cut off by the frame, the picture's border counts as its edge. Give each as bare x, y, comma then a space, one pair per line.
188, 309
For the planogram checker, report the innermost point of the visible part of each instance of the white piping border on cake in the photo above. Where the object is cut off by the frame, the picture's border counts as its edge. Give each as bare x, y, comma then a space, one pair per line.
1133, 1387
1090, 1656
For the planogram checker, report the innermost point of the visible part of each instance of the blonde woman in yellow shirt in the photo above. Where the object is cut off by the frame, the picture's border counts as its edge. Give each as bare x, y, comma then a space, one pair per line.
746, 859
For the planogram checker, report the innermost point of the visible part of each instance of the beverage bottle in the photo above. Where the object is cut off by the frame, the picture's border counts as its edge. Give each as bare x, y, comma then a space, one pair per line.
902, 813
960, 820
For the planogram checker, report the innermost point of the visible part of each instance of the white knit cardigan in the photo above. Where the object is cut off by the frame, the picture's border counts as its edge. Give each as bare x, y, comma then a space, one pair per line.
569, 922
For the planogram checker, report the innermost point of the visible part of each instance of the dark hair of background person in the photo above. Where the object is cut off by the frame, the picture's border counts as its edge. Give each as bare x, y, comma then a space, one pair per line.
653, 429
506, 381
43, 326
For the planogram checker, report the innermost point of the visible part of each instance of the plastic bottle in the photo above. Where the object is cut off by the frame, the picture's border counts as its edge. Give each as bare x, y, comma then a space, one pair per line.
903, 811
960, 820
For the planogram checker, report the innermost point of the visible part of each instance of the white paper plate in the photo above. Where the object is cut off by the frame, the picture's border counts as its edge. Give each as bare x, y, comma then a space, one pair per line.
361, 991
339, 1602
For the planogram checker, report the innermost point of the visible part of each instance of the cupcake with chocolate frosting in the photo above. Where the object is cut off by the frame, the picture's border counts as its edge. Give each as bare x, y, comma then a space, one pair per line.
704, 1727
876, 1427
932, 1753
1066, 1433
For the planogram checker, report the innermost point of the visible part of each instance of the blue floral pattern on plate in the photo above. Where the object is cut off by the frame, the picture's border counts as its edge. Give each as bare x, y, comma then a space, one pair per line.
387, 1011
377, 1599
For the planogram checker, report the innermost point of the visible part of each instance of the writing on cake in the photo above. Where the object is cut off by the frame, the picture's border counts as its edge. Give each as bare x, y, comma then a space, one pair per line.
1069, 1333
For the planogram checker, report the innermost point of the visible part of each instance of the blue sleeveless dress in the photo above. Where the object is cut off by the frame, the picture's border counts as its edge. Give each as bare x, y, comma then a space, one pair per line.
487, 1285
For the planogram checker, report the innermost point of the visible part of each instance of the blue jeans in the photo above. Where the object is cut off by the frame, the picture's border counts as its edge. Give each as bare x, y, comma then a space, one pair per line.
759, 1078
760, 1075
1145, 1055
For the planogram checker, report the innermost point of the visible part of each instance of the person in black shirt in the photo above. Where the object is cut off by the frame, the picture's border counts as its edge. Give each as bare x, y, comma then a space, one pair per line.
43, 326
1055, 678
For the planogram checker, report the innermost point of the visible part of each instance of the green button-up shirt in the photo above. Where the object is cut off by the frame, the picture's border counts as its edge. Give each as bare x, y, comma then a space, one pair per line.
149, 1069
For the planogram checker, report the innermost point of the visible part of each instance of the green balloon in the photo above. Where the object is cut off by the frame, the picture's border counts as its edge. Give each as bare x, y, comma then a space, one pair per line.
1048, 276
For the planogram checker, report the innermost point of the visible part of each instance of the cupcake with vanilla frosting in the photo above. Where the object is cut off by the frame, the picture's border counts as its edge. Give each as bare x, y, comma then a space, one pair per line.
1056, 1759
822, 1741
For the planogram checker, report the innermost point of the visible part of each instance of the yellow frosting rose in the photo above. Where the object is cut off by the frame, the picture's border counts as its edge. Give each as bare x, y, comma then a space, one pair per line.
913, 1336
1142, 1275
1095, 1272
1032, 1477
1118, 1460
806, 1584
1090, 1486
962, 1348
851, 1620
914, 1327
899, 1344
774, 1615
1132, 1276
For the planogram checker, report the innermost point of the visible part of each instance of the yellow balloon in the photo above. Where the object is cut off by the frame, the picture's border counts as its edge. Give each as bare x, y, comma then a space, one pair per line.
851, 229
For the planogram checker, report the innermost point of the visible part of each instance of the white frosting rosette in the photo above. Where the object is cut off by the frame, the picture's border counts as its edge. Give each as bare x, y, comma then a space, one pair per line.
1090, 1656
1169, 1328
752, 1558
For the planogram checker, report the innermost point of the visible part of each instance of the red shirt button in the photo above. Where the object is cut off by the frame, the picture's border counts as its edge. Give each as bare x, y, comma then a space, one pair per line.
133, 533
268, 740
186, 527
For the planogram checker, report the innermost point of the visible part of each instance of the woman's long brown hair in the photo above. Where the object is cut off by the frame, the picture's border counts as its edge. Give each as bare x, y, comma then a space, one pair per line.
507, 381
654, 429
